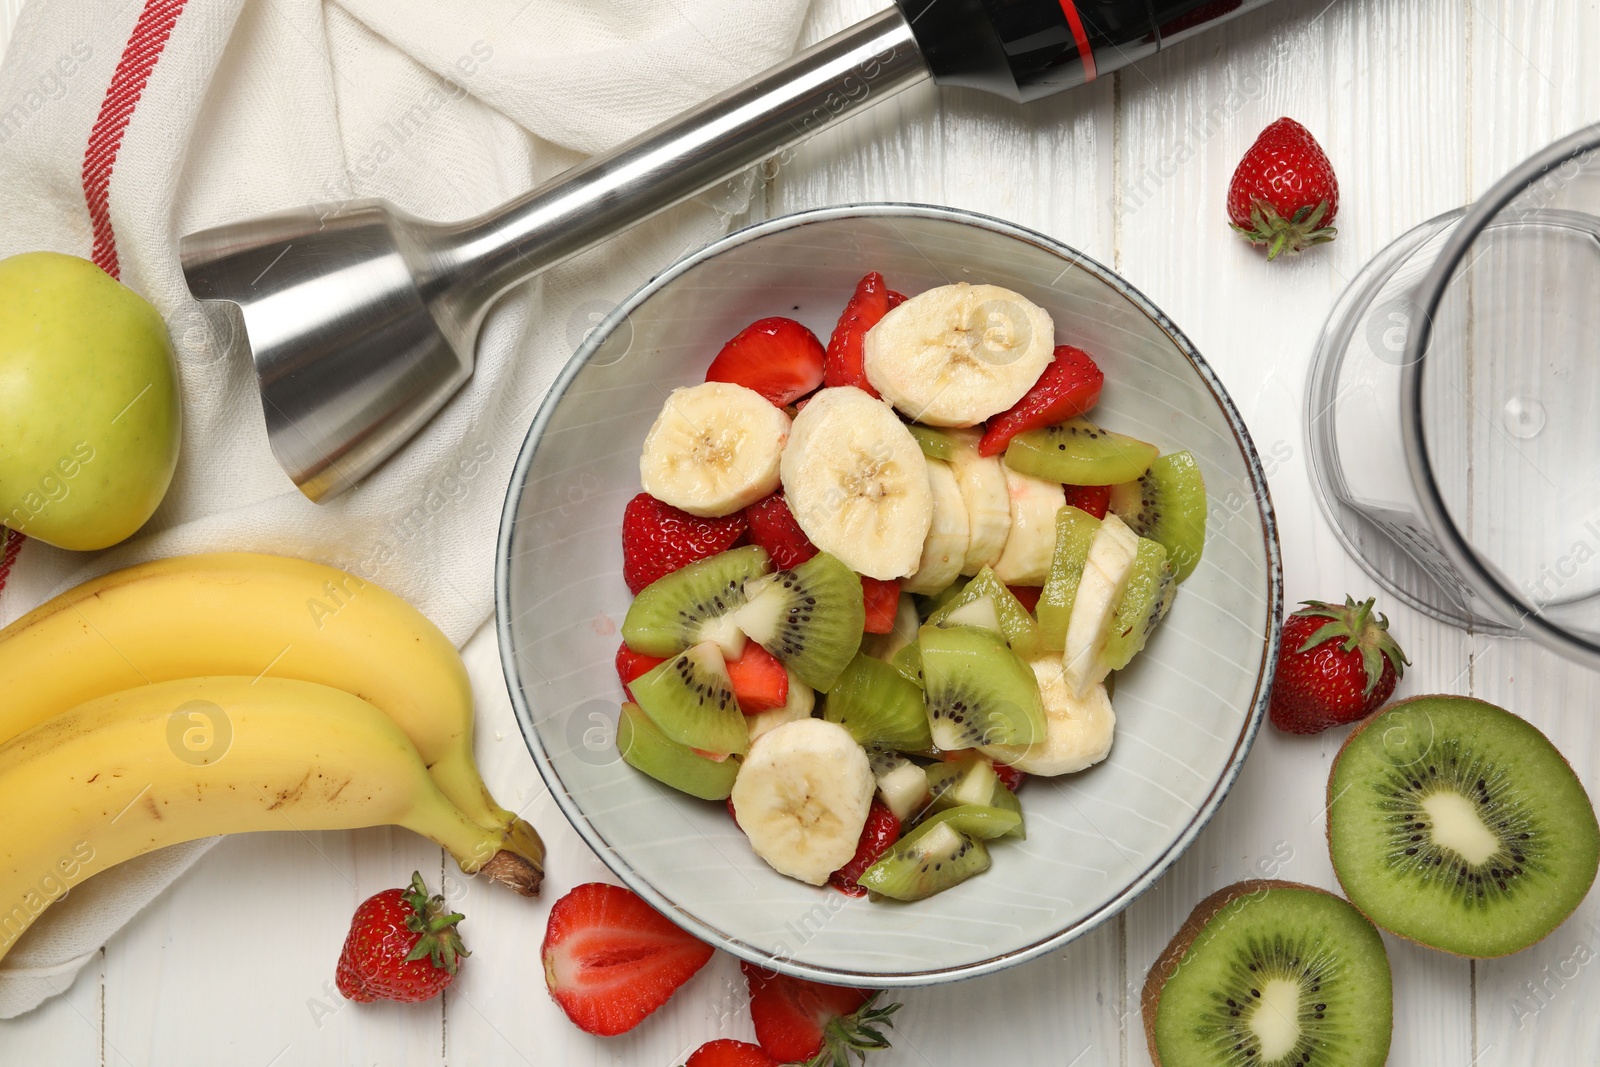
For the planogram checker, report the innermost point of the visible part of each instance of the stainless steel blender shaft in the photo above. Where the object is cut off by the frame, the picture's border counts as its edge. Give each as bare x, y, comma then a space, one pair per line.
362, 320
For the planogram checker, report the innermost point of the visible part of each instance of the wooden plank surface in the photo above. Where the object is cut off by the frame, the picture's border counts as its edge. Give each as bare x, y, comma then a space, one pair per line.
1421, 104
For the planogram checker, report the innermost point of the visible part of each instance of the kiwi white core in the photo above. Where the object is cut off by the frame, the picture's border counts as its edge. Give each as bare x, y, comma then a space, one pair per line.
980, 613
1458, 827
1276, 1020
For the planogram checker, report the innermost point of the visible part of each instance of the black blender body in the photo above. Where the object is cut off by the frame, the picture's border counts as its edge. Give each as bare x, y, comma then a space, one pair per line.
1027, 49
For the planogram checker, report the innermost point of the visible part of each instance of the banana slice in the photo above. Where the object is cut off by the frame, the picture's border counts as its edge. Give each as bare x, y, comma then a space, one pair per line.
857, 483
983, 487
713, 449
1077, 730
944, 553
955, 355
802, 797
1032, 540
1105, 578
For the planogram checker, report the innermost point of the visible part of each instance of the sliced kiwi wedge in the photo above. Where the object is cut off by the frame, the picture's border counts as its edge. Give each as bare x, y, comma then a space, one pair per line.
935, 444
879, 706
1151, 588
1075, 530
927, 605
694, 604
1167, 504
978, 821
928, 860
645, 748
1456, 824
971, 783
1270, 974
979, 692
908, 661
1015, 622
691, 701
810, 618
1078, 452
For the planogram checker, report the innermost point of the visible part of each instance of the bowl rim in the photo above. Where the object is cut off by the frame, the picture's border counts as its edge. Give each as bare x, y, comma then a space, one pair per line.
637, 880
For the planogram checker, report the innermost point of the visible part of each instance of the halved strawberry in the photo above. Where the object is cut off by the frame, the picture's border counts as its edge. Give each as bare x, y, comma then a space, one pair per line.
610, 959
658, 539
772, 526
845, 363
1069, 387
777, 357
797, 1020
1095, 499
726, 1052
1027, 595
759, 680
882, 599
631, 664
881, 831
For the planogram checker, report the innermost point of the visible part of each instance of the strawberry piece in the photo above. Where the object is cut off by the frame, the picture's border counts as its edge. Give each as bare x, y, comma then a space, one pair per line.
777, 357
881, 831
760, 681
1009, 776
726, 1052
797, 1020
631, 664
1284, 193
1069, 387
403, 945
658, 539
882, 600
610, 959
1028, 595
1095, 499
773, 527
734, 815
845, 363
896, 299
1336, 665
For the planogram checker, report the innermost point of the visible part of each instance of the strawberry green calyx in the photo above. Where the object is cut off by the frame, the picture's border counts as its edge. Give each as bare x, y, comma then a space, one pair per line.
1356, 626
1268, 227
439, 940
858, 1033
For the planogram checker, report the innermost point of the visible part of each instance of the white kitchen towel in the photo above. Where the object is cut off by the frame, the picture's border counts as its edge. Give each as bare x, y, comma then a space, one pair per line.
127, 123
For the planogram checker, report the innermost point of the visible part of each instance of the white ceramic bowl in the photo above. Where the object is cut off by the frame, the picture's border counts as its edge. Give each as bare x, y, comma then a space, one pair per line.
1187, 709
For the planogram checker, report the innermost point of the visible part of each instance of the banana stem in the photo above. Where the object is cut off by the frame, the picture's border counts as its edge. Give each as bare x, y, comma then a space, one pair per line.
513, 856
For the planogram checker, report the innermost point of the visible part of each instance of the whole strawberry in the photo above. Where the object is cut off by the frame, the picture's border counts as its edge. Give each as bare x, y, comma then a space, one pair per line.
402, 945
1336, 665
658, 539
1284, 194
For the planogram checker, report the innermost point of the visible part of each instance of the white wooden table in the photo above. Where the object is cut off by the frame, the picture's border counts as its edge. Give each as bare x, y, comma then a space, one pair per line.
1421, 104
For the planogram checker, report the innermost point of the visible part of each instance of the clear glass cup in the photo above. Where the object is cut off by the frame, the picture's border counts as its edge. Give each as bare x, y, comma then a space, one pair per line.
1453, 409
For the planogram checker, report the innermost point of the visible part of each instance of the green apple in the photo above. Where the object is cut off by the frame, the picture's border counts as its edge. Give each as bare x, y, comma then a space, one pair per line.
89, 410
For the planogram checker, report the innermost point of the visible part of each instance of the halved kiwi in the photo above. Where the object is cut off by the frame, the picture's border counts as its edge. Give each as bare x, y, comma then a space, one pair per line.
979, 692
691, 701
1078, 452
880, 707
645, 748
1150, 591
810, 618
1270, 974
928, 860
1075, 530
1168, 504
694, 604
1456, 824
1018, 626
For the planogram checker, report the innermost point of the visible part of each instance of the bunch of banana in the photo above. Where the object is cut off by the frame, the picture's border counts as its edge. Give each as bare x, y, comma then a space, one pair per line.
226, 693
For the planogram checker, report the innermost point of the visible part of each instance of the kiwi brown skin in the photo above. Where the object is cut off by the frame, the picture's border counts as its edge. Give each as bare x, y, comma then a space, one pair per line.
1166, 964
1328, 797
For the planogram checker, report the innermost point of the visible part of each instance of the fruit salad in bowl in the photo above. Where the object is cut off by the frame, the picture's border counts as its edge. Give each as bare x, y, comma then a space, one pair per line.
917, 609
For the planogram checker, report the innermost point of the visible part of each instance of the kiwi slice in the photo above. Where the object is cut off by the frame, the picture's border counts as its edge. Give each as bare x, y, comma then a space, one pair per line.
810, 618
928, 860
690, 700
979, 612
1075, 530
978, 821
1168, 504
1270, 974
1015, 621
971, 783
1078, 452
1144, 603
979, 692
694, 604
1458, 825
879, 706
934, 443
644, 747
908, 661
